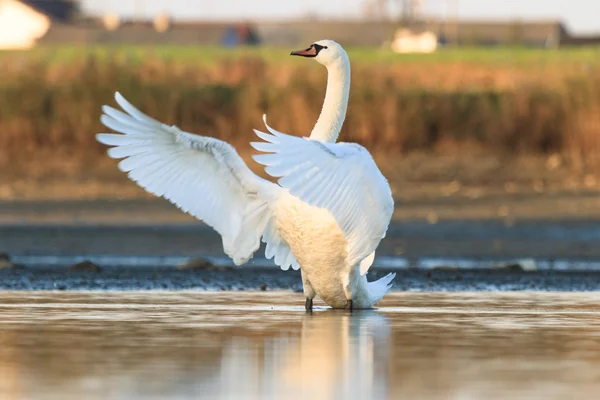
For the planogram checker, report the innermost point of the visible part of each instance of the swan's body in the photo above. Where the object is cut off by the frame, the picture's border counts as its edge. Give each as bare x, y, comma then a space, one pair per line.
326, 216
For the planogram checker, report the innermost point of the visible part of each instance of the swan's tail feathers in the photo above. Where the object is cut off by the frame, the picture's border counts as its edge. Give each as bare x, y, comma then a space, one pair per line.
379, 288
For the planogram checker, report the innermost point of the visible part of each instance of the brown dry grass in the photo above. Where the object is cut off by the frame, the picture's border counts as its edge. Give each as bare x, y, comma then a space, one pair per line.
49, 111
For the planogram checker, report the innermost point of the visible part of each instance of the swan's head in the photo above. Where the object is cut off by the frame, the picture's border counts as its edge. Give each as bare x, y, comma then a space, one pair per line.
326, 52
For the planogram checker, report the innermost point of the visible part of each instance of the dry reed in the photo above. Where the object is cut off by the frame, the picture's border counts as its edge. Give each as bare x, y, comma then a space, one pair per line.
49, 112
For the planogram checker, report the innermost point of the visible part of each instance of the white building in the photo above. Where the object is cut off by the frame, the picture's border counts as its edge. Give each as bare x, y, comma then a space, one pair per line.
409, 41
21, 25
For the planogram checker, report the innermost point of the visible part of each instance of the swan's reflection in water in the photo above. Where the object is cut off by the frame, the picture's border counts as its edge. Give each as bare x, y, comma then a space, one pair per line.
126, 346
334, 355
162, 345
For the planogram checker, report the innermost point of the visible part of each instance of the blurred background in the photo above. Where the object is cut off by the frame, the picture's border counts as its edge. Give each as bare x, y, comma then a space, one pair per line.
473, 110
483, 115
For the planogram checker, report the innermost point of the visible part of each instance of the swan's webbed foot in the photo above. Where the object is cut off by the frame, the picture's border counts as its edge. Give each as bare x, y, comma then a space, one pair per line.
349, 305
308, 305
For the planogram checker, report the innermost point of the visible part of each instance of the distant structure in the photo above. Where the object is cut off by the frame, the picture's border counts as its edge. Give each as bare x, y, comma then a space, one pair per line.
587, 40
22, 23
162, 22
240, 35
548, 34
372, 33
57, 10
396, 24
376, 33
413, 41
111, 21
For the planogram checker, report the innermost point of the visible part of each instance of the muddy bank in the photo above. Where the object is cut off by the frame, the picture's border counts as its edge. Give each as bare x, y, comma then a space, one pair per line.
271, 279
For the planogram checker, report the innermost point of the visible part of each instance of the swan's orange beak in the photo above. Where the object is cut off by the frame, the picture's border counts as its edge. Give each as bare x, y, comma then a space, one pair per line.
310, 52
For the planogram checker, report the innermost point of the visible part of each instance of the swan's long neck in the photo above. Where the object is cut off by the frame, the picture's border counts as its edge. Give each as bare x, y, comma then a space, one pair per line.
331, 119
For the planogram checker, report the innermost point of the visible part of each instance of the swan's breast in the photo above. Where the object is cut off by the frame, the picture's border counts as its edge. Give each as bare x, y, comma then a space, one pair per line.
313, 236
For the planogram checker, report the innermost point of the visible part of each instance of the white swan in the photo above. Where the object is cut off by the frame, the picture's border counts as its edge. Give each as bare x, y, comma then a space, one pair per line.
327, 215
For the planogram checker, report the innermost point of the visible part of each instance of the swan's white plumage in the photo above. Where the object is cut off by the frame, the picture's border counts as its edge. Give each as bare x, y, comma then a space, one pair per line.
328, 214
339, 177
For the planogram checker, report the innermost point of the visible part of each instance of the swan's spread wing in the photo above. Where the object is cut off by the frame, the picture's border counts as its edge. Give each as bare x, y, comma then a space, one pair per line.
203, 176
341, 178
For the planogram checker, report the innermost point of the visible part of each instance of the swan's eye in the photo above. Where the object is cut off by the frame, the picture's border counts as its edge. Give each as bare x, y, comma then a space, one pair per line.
318, 47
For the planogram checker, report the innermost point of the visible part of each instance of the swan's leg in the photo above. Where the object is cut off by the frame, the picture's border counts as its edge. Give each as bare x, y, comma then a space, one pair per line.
309, 292
349, 282
349, 305
308, 305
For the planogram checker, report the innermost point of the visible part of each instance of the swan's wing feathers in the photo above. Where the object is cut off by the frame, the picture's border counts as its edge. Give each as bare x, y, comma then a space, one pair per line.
134, 112
203, 176
342, 178
277, 249
366, 263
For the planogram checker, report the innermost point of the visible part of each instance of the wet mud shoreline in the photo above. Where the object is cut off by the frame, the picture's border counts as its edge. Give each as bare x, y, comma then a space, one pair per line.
272, 279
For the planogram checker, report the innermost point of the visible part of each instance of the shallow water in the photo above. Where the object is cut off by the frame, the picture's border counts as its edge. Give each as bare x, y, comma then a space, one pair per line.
179, 345
552, 244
